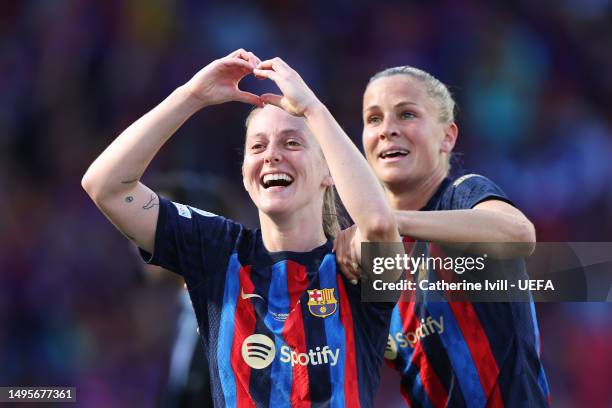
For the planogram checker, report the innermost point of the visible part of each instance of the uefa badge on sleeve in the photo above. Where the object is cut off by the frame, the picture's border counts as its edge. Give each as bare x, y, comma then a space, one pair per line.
322, 302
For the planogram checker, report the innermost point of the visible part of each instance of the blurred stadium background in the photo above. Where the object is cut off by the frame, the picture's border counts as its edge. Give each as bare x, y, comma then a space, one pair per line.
532, 80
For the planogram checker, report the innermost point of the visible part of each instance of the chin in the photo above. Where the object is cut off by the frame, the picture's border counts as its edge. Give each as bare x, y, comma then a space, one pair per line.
394, 175
275, 208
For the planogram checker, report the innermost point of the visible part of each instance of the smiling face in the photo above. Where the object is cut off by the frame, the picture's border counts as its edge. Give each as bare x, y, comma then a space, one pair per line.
404, 140
284, 170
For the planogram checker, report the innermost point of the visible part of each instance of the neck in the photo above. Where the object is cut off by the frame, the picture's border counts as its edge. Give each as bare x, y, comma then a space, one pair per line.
414, 195
294, 232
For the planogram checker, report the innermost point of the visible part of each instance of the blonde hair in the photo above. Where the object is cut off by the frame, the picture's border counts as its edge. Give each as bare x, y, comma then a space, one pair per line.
331, 225
434, 88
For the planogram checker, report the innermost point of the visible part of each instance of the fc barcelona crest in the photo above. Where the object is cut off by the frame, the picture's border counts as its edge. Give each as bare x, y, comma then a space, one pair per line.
322, 302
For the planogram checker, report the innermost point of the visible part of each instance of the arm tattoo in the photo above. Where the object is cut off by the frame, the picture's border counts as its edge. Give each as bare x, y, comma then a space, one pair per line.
129, 181
129, 199
151, 203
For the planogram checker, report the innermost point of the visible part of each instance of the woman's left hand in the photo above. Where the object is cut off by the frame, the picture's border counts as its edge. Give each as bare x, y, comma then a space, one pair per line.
297, 98
347, 247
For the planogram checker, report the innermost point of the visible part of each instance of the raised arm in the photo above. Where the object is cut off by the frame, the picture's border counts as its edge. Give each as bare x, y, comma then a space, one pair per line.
113, 179
358, 188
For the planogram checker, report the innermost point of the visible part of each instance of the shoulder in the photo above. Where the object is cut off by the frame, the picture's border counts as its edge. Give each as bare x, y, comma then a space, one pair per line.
184, 210
466, 191
193, 214
204, 226
471, 180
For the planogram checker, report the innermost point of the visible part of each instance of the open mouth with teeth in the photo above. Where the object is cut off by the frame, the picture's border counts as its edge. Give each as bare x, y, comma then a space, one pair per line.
276, 180
392, 153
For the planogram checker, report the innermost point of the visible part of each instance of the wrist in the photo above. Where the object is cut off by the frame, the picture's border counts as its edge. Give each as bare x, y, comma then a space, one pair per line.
314, 109
399, 221
191, 99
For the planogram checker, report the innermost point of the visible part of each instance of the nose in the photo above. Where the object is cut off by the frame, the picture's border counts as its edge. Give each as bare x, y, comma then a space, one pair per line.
272, 155
387, 130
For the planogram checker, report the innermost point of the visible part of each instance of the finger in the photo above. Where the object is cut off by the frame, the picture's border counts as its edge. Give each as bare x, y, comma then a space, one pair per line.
266, 73
357, 272
354, 279
344, 261
240, 63
263, 74
348, 267
267, 64
346, 250
281, 63
258, 76
351, 268
354, 258
249, 98
253, 58
347, 273
357, 277
342, 252
274, 64
250, 58
240, 53
272, 99
338, 241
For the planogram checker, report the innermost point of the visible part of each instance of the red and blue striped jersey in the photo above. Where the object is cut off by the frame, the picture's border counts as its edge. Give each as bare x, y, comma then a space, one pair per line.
279, 329
467, 354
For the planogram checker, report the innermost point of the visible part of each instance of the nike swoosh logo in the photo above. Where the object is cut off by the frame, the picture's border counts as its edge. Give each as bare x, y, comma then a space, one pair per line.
249, 295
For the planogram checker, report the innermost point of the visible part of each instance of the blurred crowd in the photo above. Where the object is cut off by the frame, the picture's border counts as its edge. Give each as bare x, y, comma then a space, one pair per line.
534, 90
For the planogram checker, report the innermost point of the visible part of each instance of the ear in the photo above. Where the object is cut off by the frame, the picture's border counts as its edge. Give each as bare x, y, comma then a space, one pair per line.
328, 181
450, 137
244, 183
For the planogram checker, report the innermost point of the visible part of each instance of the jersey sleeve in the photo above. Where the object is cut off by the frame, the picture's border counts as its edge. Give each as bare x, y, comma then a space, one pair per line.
189, 241
471, 189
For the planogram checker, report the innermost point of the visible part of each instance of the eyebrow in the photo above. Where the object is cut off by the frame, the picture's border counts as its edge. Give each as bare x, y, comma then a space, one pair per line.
397, 105
290, 130
282, 133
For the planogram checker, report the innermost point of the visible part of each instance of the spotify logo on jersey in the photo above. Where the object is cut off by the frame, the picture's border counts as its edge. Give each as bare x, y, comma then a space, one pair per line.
391, 349
258, 351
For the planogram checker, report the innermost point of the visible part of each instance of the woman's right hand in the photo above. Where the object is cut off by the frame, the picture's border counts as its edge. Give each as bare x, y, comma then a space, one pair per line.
218, 81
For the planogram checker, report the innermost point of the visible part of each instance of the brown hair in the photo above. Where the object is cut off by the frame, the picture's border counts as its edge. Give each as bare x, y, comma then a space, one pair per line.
331, 225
